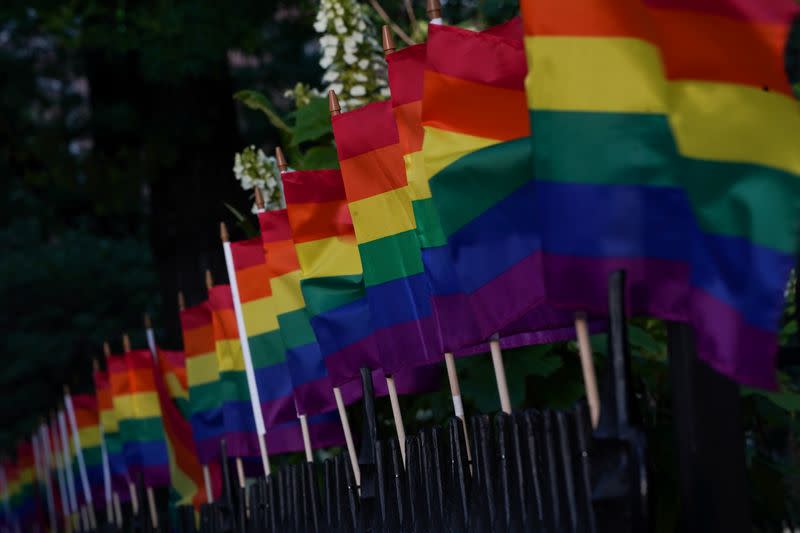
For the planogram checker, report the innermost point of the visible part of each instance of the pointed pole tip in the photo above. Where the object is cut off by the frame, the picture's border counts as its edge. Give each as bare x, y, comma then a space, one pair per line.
126, 343
281, 159
333, 103
388, 40
223, 232
95, 365
148, 324
259, 198
106, 349
66, 390
209, 280
181, 301
434, 9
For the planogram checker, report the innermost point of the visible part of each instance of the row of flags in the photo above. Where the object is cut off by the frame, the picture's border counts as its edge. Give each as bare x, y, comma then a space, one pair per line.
482, 207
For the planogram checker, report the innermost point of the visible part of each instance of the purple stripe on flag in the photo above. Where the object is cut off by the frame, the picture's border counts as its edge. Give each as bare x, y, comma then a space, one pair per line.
733, 347
653, 286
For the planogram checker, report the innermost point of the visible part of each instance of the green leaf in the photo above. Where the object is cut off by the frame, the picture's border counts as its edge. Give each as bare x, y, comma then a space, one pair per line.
259, 102
312, 121
319, 157
786, 400
642, 339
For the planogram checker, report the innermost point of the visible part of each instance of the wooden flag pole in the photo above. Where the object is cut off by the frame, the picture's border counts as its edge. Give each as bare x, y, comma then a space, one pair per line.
67, 462
206, 472
117, 510
337, 392
500, 374
260, 208
587, 367
76, 441
335, 109
248, 359
126, 347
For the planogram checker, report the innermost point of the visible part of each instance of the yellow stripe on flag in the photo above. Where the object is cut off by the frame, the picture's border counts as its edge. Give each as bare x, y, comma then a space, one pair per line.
286, 292
442, 148
333, 256
382, 215
229, 355
259, 316
632, 81
202, 369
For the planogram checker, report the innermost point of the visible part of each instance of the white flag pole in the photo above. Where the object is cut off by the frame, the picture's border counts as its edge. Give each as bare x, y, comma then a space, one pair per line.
67, 462
76, 440
248, 359
44, 462
56, 462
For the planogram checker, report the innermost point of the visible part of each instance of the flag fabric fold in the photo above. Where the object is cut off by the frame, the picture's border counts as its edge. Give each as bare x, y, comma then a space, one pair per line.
186, 472
674, 163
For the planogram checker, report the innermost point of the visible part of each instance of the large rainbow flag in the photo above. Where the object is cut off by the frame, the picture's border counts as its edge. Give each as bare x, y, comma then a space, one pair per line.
186, 473
313, 388
663, 144
138, 413
482, 251
378, 196
206, 399
332, 281
113, 439
87, 418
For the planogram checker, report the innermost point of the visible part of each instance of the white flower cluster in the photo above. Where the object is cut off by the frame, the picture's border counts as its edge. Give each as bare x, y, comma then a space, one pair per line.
253, 168
351, 54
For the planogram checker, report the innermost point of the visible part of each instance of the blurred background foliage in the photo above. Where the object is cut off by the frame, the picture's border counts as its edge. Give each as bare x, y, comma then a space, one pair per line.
117, 135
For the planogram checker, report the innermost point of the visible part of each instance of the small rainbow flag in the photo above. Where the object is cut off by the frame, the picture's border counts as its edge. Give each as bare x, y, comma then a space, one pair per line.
87, 418
113, 439
203, 381
240, 429
138, 414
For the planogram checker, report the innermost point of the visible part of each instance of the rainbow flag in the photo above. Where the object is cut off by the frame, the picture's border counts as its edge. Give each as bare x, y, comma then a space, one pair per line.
12, 492
108, 418
273, 377
263, 337
239, 423
138, 414
332, 281
282, 437
186, 473
312, 385
87, 417
207, 412
482, 253
678, 117
379, 199
25, 500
